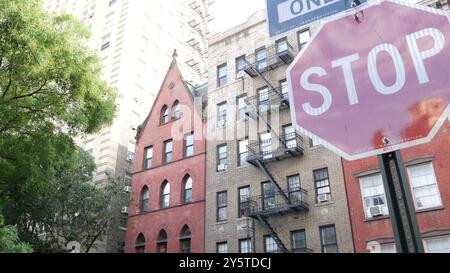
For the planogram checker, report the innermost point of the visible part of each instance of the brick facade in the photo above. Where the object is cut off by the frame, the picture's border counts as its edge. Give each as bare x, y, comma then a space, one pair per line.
225, 48
178, 214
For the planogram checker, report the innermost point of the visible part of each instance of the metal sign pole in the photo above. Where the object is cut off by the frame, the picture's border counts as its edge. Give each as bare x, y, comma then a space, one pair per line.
399, 200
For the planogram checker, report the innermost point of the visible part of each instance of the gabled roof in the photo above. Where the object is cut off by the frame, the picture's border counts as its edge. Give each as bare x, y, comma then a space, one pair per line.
193, 91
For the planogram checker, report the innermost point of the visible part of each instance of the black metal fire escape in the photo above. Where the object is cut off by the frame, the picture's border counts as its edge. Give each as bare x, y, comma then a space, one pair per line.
288, 145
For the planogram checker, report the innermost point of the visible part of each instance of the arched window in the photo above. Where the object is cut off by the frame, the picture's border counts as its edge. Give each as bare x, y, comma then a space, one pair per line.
164, 115
165, 194
145, 196
185, 240
176, 110
161, 244
187, 191
140, 243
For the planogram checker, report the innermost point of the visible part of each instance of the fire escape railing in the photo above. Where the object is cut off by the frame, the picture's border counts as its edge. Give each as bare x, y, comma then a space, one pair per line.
277, 148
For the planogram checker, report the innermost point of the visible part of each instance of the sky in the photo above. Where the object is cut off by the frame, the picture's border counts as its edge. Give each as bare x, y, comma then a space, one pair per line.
230, 13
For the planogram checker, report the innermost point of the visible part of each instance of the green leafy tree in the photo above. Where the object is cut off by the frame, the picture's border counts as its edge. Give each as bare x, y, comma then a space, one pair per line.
9, 240
50, 92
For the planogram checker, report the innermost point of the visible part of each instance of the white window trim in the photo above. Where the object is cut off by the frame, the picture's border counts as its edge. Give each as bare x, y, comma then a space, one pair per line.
425, 241
362, 196
412, 188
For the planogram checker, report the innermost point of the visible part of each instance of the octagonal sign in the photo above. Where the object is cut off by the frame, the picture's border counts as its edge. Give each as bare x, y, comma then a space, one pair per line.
374, 79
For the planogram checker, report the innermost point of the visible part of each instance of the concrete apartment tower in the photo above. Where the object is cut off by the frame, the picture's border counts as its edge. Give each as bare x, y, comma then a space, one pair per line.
135, 40
268, 189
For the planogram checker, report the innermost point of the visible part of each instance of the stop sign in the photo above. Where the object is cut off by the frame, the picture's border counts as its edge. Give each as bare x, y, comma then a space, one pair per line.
375, 82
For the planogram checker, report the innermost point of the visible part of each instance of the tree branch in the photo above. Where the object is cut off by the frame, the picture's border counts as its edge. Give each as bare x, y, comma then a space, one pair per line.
32, 93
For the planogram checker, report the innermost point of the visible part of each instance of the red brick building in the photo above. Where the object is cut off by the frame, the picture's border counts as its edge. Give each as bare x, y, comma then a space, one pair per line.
428, 170
168, 181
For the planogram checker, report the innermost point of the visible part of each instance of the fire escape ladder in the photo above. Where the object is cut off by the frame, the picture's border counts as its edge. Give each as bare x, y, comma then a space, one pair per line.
272, 179
272, 232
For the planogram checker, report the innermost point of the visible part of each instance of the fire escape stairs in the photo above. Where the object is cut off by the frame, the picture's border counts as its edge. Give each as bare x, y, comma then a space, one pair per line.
263, 220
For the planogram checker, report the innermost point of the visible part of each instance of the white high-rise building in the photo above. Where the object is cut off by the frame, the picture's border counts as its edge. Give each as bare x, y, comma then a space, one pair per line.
135, 40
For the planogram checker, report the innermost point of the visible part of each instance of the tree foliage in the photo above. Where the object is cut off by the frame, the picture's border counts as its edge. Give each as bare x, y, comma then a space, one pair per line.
9, 240
50, 92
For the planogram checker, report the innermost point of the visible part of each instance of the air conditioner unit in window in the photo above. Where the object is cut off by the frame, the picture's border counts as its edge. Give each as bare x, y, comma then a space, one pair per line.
323, 198
127, 189
222, 167
124, 210
130, 157
240, 74
375, 211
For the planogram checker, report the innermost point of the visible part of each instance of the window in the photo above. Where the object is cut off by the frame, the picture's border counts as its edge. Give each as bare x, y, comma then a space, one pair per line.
438, 245
109, 20
298, 239
187, 191
328, 239
424, 186
244, 200
140, 243
176, 114
168, 149
89, 147
270, 245
145, 196
130, 152
242, 107
290, 136
165, 195
127, 179
323, 190
164, 115
261, 62
282, 45
242, 151
189, 145
222, 72
222, 158
295, 194
161, 244
245, 246
268, 192
148, 153
222, 247
284, 89
266, 145
185, 240
222, 206
303, 38
106, 42
373, 195
263, 100
240, 64
222, 113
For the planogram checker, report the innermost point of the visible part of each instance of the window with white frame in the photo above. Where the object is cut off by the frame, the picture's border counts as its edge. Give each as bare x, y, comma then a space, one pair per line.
222, 113
284, 89
270, 245
130, 152
243, 152
242, 107
222, 247
106, 41
245, 246
373, 195
437, 244
424, 187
